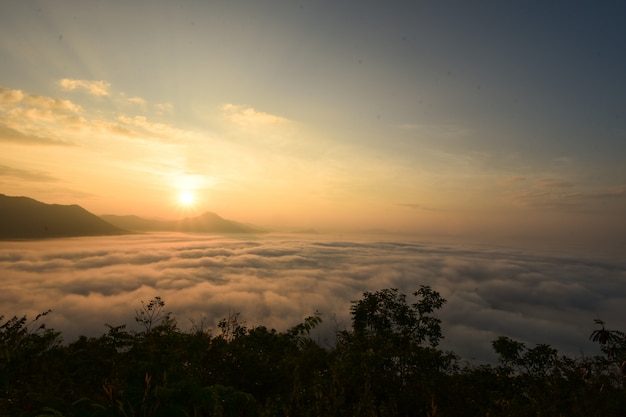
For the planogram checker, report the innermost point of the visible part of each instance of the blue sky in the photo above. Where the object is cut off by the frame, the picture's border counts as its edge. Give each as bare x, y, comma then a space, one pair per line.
451, 117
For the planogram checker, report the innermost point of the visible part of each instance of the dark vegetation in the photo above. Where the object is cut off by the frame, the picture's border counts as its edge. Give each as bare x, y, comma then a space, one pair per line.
386, 364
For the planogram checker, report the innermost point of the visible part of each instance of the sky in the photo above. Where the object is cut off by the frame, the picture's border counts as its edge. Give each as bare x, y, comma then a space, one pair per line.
277, 281
482, 119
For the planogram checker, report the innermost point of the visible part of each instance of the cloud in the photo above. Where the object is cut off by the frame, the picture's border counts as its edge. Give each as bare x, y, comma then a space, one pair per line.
549, 193
96, 88
137, 100
245, 116
163, 108
544, 197
553, 183
8, 134
29, 175
34, 119
52, 104
418, 207
9, 97
618, 192
150, 129
279, 280
113, 128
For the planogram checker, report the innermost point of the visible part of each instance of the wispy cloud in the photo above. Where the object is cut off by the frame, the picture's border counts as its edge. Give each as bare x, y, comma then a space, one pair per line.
137, 100
163, 108
277, 281
128, 142
8, 134
117, 129
618, 192
10, 99
568, 193
152, 129
52, 104
551, 195
30, 175
34, 119
96, 88
246, 116
418, 207
554, 183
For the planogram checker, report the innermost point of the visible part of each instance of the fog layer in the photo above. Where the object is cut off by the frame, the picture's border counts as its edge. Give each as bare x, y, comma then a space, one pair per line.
276, 281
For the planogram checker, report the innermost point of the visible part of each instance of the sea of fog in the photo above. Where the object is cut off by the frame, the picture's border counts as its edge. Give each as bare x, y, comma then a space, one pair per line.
277, 280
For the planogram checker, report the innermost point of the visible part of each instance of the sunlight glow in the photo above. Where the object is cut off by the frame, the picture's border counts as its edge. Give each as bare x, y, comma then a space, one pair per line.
186, 198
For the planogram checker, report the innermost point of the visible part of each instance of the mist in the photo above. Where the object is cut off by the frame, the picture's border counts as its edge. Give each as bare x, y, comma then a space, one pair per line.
277, 280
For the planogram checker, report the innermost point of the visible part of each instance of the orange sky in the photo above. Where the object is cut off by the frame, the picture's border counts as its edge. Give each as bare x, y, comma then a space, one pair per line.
320, 116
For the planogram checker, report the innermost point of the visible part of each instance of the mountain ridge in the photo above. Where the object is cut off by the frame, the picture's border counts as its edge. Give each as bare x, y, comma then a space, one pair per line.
207, 222
26, 218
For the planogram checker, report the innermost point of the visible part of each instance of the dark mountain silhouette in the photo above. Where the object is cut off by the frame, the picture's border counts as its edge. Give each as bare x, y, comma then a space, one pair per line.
138, 224
205, 223
25, 218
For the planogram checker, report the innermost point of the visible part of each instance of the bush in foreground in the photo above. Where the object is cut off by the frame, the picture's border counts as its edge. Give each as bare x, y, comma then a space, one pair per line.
386, 364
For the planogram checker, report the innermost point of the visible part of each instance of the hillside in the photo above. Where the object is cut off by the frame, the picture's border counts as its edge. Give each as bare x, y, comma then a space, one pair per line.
205, 223
25, 218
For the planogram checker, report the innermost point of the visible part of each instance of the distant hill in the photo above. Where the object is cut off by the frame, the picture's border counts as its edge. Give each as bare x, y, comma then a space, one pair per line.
205, 223
25, 218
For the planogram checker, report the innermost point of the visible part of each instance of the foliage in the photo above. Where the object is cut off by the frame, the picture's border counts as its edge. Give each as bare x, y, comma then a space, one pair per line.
389, 357
613, 345
386, 364
152, 316
27, 351
385, 314
232, 327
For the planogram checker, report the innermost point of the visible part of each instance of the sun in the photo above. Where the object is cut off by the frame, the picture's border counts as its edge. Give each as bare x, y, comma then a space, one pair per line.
186, 198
